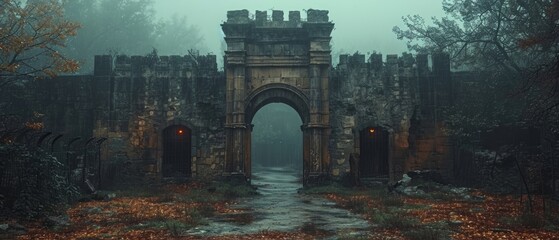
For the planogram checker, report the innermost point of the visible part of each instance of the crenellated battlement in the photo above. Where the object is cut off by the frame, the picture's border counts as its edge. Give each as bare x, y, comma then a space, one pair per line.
440, 61
277, 18
123, 63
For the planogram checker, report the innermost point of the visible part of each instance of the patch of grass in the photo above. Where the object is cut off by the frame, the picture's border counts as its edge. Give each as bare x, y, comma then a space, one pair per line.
378, 192
393, 201
442, 196
508, 221
357, 205
197, 216
530, 220
206, 210
552, 221
397, 220
312, 229
200, 195
176, 228
152, 224
416, 207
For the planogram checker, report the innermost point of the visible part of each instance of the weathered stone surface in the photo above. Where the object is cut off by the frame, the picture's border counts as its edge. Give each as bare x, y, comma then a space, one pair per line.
132, 102
348, 122
289, 65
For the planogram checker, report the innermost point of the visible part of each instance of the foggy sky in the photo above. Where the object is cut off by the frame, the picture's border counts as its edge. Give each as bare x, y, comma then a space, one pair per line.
360, 25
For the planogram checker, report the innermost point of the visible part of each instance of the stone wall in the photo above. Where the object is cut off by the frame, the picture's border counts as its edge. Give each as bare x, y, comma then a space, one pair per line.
131, 100
134, 101
398, 95
68, 104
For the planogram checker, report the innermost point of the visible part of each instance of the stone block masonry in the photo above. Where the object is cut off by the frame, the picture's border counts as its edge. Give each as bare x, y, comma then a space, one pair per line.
395, 96
386, 112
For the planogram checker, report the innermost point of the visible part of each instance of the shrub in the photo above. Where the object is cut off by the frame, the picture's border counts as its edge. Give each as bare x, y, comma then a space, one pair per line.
176, 228
37, 183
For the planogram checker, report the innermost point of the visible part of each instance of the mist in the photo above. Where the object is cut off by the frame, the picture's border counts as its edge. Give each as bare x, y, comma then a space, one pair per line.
360, 26
363, 26
194, 27
286, 119
277, 139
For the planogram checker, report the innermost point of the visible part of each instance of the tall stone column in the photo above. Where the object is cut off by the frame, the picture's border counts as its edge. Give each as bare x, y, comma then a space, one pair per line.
237, 134
318, 129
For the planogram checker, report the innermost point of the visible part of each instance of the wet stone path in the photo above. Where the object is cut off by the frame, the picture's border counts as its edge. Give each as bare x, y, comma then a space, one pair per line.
279, 207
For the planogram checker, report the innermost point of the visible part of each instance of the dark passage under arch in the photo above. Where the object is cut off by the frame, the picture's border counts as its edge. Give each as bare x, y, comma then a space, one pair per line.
177, 144
373, 160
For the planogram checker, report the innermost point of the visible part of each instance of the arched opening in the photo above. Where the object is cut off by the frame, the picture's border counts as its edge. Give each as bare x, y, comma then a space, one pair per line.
276, 149
277, 139
279, 104
177, 145
277, 93
373, 157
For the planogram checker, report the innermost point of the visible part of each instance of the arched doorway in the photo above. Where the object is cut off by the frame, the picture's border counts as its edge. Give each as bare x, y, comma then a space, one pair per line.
177, 145
277, 139
286, 63
278, 93
373, 155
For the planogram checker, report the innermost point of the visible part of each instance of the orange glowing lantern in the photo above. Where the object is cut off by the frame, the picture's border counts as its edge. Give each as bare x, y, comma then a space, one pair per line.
180, 132
371, 130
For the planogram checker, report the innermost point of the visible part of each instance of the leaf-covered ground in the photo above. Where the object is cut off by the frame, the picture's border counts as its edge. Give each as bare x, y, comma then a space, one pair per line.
442, 216
169, 211
164, 213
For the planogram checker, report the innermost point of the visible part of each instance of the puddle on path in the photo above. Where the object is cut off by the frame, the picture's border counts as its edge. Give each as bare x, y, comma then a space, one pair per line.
280, 208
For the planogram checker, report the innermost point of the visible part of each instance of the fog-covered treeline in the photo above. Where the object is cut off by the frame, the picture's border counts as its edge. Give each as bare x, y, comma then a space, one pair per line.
126, 27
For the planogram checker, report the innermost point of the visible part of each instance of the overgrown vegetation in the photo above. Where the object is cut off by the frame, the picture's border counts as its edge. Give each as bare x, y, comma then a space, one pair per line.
33, 182
157, 211
441, 214
492, 41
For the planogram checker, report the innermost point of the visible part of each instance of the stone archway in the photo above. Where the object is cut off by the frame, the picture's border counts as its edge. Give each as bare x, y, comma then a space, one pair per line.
277, 61
278, 93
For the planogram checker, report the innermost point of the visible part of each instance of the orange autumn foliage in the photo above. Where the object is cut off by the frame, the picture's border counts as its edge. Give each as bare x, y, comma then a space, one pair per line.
32, 34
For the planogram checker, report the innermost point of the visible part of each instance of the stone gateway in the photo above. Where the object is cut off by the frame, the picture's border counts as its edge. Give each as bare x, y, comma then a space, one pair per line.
180, 117
277, 61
